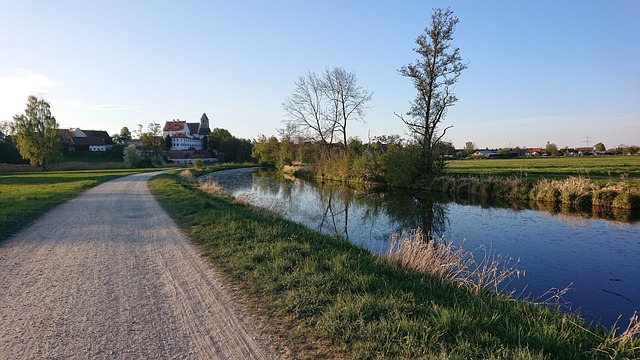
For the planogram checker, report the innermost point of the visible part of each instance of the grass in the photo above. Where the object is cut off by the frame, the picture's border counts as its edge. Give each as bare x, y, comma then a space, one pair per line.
26, 196
324, 297
605, 182
605, 168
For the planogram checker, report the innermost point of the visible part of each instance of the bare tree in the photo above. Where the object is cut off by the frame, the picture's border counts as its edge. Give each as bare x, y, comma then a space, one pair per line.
433, 75
322, 107
305, 109
347, 99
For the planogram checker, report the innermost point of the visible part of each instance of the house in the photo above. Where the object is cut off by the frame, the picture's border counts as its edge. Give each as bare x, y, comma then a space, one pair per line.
585, 150
85, 140
536, 152
186, 135
490, 154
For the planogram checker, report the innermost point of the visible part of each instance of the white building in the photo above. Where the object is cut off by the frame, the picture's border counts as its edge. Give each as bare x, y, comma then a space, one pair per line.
186, 135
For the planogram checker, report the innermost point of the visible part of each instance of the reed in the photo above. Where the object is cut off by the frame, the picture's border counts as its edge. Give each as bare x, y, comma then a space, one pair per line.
418, 251
212, 187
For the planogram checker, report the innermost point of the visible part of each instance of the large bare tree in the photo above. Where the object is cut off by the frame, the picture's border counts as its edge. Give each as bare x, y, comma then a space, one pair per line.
305, 109
347, 99
433, 75
322, 106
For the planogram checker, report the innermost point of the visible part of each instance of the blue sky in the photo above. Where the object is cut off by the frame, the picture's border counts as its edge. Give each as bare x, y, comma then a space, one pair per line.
539, 71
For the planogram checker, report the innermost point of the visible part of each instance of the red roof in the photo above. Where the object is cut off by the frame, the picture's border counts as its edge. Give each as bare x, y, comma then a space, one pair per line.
174, 125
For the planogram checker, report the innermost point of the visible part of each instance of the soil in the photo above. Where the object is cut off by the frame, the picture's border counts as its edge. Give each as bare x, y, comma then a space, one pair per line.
109, 275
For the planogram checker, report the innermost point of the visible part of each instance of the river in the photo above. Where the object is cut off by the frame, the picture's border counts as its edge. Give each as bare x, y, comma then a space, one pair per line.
598, 259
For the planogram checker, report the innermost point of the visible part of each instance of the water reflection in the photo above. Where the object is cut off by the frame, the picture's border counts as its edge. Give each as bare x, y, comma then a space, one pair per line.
555, 247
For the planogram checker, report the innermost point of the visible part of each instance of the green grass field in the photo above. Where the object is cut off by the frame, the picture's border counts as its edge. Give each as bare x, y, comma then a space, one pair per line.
26, 196
612, 168
327, 298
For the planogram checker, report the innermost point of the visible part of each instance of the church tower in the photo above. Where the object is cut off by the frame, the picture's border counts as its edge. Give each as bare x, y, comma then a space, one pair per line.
204, 129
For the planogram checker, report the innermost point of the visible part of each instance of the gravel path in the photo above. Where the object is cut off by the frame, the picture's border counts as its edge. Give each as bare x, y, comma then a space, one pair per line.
109, 275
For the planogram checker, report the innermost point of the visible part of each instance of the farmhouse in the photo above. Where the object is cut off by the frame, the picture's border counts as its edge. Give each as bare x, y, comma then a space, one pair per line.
186, 135
85, 140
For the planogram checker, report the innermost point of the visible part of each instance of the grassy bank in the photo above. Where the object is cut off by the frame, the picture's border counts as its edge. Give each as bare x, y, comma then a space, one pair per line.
325, 297
26, 196
602, 168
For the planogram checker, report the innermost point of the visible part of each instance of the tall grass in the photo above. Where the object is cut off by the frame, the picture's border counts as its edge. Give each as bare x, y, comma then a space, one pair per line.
581, 192
449, 263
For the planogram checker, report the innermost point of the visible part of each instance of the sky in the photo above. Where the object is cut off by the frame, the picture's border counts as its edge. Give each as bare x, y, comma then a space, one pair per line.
565, 72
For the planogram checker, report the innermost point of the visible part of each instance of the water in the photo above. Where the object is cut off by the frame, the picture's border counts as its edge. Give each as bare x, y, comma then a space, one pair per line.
598, 258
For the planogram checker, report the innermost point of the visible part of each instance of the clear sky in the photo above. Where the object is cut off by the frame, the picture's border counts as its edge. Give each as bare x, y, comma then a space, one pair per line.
539, 71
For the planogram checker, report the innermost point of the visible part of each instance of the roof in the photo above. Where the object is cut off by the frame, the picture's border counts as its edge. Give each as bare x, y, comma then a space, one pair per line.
193, 127
93, 137
175, 125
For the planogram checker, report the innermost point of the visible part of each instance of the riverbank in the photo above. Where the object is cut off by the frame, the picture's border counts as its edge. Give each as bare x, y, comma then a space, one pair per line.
580, 183
325, 297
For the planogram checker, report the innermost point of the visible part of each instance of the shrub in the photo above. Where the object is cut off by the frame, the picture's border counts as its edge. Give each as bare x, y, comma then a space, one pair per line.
604, 197
198, 164
132, 158
401, 166
627, 200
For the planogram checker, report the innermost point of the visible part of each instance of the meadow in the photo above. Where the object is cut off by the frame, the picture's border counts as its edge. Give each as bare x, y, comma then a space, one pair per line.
24, 196
601, 168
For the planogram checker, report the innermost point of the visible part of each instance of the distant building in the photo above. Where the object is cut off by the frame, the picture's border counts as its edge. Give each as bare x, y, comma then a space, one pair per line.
184, 135
85, 140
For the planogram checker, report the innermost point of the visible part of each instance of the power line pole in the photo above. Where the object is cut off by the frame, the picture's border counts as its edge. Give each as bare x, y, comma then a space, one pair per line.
586, 141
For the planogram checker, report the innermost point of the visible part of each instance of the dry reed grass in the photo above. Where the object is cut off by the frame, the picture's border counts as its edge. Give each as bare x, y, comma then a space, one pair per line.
614, 344
212, 187
416, 250
187, 177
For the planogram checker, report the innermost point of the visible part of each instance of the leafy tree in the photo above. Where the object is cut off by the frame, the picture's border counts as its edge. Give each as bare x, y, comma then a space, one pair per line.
551, 149
123, 136
35, 134
132, 158
5, 127
504, 153
230, 148
167, 142
433, 75
205, 139
117, 150
152, 142
599, 147
469, 148
266, 150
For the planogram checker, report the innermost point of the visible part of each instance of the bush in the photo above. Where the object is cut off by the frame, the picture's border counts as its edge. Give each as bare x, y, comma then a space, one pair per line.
401, 166
132, 158
9, 154
627, 201
198, 164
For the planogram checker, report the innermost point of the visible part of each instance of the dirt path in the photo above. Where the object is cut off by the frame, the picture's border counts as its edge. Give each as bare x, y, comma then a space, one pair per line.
109, 275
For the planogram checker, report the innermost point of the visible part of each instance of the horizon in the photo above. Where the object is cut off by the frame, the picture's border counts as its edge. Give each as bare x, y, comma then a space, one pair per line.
535, 74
